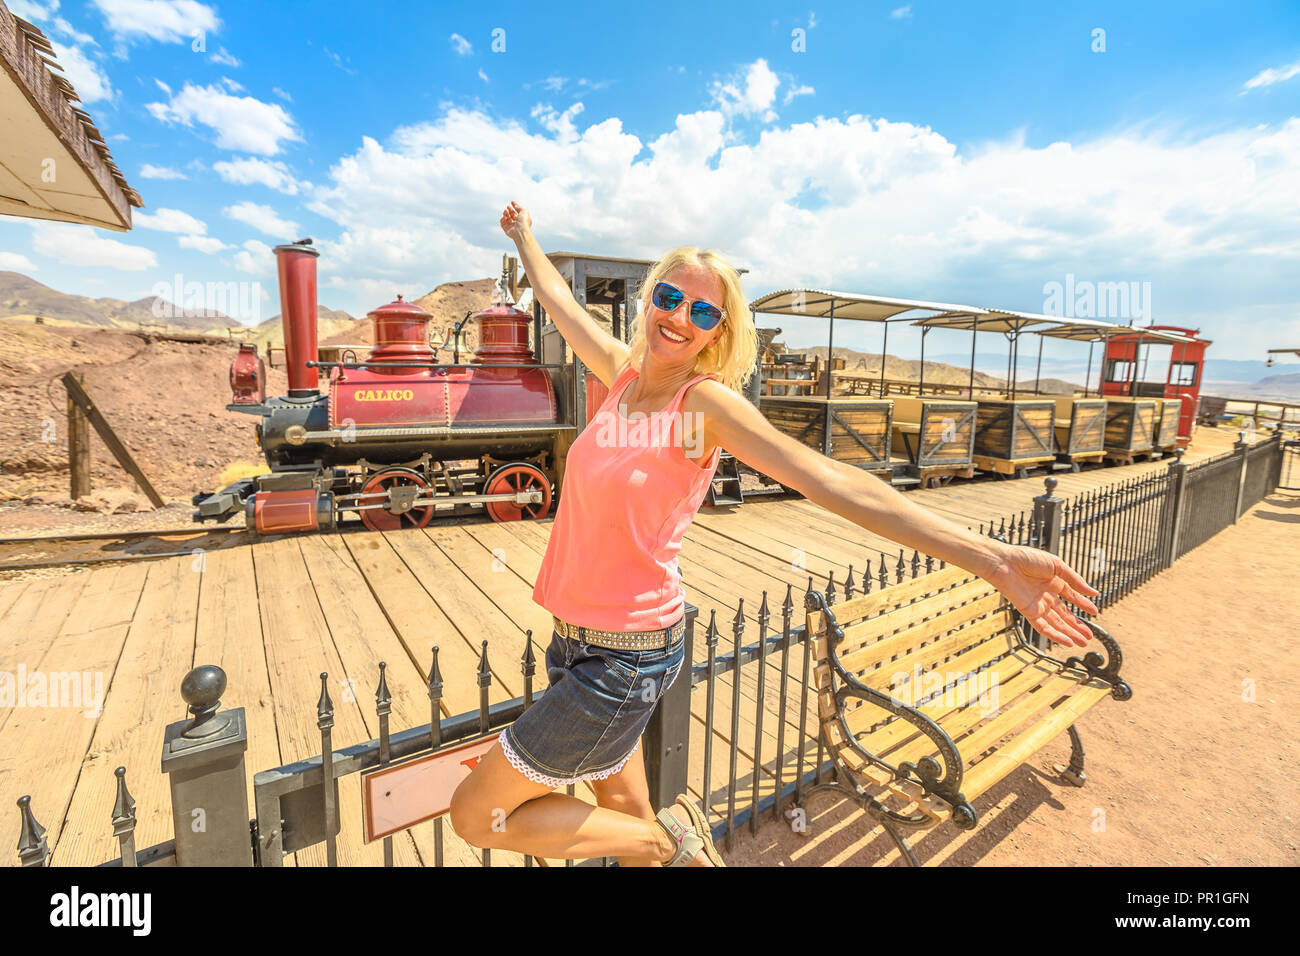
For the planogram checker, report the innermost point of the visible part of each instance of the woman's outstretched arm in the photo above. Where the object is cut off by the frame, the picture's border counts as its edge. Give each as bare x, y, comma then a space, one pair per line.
599, 351
1036, 581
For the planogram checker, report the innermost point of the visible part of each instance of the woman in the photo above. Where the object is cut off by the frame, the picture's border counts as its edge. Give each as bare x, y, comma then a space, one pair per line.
634, 479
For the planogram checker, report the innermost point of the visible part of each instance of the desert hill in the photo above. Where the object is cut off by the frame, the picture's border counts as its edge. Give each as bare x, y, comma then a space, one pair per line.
21, 295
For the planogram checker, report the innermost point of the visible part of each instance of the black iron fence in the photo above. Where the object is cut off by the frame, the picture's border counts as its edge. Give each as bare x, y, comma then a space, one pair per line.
739, 735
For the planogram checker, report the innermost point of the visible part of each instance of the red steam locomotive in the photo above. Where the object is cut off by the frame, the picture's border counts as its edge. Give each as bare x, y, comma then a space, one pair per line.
398, 437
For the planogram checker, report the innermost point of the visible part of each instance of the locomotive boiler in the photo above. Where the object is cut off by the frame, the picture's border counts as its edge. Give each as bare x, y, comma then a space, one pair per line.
395, 438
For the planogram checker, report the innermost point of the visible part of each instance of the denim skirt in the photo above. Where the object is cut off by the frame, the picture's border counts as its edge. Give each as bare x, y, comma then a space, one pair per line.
589, 721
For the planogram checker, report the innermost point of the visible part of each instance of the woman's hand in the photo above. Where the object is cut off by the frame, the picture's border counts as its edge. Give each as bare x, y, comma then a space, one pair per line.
1038, 583
515, 221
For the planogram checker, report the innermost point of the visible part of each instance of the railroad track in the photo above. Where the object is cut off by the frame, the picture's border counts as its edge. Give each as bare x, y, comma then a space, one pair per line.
24, 554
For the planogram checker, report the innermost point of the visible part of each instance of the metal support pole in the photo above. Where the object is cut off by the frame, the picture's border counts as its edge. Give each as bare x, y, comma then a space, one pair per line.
970, 388
830, 351
1239, 447
920, 389
1179, 470
1038, 370
1047, 518
884, 347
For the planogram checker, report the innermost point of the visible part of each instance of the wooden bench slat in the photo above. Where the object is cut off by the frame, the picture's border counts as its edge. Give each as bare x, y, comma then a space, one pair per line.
985, 774
961, 719
878, 602
1008, 719
976, 623
908, 641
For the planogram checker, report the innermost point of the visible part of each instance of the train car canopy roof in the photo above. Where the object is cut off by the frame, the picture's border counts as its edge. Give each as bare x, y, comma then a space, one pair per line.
843, 305
985, 320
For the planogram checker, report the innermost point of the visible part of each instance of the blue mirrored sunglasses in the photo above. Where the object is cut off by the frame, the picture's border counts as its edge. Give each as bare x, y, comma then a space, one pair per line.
668, 297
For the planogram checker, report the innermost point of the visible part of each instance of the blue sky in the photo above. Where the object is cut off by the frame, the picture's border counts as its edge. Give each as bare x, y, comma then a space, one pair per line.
957, 151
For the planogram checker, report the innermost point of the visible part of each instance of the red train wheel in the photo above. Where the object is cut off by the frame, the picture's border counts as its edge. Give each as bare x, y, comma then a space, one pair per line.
381, 519
518, 476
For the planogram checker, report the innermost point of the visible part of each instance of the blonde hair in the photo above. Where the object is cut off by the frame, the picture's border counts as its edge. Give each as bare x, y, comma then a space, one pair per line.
733, 358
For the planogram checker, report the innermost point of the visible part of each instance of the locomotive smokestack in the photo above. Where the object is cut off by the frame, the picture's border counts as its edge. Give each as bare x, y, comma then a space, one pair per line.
296, 263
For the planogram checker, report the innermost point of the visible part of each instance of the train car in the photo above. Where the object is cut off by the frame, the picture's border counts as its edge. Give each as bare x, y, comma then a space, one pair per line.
1127, 360
397, 437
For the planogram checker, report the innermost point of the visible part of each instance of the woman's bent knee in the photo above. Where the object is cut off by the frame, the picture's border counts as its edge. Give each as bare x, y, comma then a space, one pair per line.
469, 819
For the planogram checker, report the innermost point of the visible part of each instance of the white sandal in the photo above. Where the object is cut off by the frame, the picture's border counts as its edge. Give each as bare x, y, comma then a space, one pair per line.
690, 838
688, 841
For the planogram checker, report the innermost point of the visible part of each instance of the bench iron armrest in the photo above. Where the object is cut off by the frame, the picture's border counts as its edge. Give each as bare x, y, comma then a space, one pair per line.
943, 782
1103, 668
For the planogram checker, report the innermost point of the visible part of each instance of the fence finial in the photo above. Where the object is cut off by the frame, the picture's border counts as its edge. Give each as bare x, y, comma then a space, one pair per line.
202, 688
32, 849
324, 706
383, 699
124, 820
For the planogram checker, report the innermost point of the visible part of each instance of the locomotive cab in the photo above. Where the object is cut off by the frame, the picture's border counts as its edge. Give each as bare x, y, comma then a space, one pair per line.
396, 438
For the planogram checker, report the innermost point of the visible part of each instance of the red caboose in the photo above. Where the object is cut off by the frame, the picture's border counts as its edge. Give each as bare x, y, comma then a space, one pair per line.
1127, 369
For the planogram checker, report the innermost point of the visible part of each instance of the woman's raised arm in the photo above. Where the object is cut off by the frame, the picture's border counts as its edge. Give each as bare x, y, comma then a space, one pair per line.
1036, 581
599, 351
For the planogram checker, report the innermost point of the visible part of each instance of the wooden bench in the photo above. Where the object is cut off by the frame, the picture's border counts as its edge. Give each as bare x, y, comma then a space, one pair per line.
933, 690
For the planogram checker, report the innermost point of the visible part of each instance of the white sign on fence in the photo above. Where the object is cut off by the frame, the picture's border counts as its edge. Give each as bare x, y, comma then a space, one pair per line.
399, 796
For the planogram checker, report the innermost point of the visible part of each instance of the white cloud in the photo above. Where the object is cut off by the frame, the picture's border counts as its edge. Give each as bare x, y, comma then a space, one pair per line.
67, 29
269, 173
263, 219
1270, 76
86, 76
901, 13
208, 244
861, 203
340, 61
149, 171
33, 11
80, 246
282, 94
462, 46
168, 21
749, 94
483, 76
225, 58
242, 123
255, 258
797, 91
170, 220
13, 261
561, 124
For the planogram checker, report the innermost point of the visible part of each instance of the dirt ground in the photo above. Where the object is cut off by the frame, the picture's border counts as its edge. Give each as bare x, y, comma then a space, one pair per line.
1200, 767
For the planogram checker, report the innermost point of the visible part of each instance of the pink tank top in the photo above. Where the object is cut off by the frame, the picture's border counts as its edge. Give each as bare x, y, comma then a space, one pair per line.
629, 495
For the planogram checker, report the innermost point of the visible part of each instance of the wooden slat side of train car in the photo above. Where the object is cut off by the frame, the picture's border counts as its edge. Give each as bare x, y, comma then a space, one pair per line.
852, 430
1168, 411
1011, 434
1130, 427
1080, 428
937, 435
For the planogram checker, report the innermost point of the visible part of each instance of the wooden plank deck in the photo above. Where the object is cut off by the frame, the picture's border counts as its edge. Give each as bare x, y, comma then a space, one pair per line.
276, 614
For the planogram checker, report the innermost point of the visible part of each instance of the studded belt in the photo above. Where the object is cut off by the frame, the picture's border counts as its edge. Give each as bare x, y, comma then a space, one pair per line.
622, 640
